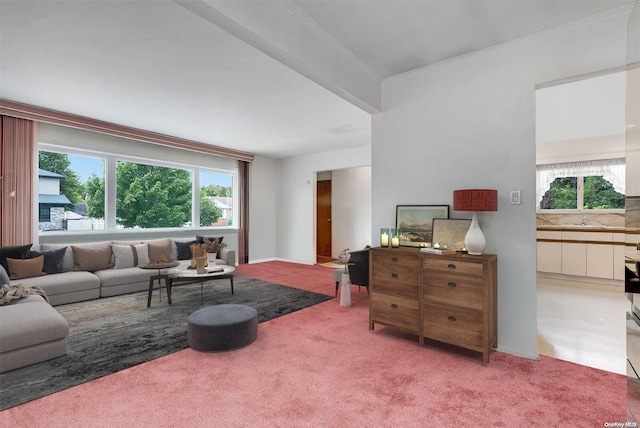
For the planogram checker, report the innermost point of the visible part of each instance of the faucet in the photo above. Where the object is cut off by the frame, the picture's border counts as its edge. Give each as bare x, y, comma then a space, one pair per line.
584, 221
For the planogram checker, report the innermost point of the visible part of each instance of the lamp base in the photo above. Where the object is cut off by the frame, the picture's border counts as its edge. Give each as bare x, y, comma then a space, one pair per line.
474, 240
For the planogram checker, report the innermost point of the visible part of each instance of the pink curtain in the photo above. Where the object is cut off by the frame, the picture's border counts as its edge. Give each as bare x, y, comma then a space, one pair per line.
18, 142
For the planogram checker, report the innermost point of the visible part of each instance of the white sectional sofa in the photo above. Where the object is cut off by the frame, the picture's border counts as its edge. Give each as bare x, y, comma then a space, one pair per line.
74, 285
33, 331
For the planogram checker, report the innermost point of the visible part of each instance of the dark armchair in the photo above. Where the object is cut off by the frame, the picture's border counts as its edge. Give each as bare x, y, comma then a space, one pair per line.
358, 269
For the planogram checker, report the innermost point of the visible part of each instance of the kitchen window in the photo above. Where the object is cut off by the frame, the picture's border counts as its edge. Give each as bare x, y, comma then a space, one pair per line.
582, 186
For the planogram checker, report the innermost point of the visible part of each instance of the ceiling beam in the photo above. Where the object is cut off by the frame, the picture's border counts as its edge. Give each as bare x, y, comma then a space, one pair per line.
280, 30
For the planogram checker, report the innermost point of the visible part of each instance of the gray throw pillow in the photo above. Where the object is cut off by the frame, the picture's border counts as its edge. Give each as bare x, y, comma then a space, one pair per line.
52, 259
4, 277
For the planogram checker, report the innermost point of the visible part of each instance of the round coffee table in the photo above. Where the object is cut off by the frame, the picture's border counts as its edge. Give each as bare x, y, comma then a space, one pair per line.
192, 275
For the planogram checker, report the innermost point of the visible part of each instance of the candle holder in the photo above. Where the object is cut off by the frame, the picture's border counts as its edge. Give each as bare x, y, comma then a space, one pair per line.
384, 237
395, 239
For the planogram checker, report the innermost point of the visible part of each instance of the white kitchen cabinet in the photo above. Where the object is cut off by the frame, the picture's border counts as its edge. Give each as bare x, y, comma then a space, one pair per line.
549, 257
600, 261
594, 254
574, 258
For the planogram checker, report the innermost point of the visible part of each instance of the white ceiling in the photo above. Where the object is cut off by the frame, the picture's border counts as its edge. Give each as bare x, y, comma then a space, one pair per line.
275, 78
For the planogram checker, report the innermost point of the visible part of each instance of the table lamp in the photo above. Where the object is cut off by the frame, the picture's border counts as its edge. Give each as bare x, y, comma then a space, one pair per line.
475, 200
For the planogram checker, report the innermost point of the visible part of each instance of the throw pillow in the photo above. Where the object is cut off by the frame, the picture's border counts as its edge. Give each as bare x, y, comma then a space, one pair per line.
27, 268
4, 276
91, 259
126, 256
160, 251
52, 259
184, 249
13, 252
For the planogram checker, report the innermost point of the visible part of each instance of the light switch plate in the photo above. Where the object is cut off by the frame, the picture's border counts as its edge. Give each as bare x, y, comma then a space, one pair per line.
515, 197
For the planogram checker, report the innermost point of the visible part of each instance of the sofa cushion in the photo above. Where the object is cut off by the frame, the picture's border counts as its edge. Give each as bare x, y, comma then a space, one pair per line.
67, 282
52, 259
13, 252
116, 277
26, 268
30, 321
126, 256
91, 259
160, 248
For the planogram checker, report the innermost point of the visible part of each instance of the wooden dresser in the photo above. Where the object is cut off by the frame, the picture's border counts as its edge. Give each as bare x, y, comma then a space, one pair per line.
449, 298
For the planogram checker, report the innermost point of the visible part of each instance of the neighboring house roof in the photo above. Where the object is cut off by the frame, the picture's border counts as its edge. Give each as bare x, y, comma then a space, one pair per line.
53, 199
222, 202
43, 173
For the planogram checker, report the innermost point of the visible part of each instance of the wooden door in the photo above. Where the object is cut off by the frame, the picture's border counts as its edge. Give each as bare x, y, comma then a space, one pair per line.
323, 218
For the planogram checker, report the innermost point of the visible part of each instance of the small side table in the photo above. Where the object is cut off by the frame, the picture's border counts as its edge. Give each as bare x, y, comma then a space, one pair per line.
160, 276
345, 286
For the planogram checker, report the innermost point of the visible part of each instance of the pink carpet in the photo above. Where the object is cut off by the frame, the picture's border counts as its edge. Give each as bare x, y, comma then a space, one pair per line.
323, 367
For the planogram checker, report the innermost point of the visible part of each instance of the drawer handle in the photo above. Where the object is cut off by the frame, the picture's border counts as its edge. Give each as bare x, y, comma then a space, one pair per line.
452, 318
394, 259
452, 284
394, 275
451, 266
394, 306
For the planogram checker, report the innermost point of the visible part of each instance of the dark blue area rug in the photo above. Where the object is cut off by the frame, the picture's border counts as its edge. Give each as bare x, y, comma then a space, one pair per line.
111, 334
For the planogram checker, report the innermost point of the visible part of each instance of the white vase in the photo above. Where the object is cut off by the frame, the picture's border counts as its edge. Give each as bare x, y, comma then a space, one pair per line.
211, 257
474, 241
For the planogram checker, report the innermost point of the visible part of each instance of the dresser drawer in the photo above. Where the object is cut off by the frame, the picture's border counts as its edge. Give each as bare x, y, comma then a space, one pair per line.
399, 279
454, 266
458, 290
395, 311
450, 324
395, 258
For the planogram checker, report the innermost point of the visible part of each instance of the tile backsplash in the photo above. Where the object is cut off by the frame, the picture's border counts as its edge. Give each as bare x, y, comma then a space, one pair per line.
593, 219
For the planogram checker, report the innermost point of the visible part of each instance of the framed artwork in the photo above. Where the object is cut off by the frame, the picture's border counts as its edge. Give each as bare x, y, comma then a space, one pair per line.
450, 233
414, 223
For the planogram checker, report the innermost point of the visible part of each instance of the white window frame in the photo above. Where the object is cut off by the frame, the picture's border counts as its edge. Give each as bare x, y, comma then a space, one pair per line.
111, 161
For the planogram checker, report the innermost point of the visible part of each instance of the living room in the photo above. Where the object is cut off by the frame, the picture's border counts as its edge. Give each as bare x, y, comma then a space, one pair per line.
460, 123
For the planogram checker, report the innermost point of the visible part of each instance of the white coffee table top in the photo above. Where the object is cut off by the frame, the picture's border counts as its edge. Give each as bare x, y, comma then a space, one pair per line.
193, 273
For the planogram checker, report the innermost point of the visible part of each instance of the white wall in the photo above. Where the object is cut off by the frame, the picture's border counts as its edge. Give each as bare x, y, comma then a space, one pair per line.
263, 188
470, 124
295, 222
351, 209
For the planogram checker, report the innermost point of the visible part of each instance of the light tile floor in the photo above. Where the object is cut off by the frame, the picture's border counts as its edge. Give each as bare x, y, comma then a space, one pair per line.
584, 323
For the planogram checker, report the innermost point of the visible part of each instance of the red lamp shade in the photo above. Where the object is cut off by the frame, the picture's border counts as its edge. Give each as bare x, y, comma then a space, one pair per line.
475, 200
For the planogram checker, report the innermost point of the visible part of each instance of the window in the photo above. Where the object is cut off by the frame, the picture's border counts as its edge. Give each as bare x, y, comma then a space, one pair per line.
216, 199
143, 195
70, 191
152, 196
595, 185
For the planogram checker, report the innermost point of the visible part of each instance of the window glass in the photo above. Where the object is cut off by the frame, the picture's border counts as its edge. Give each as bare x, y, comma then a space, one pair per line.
562, 195
599, 194
68, 197
216, 199
152, 196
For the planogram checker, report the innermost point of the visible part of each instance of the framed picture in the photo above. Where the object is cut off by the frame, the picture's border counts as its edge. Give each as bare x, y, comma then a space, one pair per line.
414, 223
450, 233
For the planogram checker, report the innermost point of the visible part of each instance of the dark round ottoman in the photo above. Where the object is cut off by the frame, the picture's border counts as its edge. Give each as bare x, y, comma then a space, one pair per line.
222, 328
